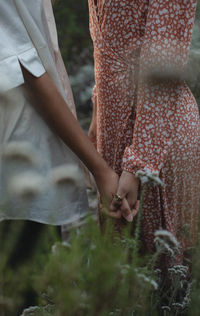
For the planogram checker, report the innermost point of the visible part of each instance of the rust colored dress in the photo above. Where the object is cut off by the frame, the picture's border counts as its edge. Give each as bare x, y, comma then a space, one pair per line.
143, 125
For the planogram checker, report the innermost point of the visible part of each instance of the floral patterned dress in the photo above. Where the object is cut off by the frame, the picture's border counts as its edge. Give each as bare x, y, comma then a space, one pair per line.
150, 124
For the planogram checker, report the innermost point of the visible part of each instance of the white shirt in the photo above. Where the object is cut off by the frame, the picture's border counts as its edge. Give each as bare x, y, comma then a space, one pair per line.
28, 36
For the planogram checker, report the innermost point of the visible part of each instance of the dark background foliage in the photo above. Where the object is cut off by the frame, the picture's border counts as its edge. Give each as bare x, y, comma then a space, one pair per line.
72, 20
77, 51
73, 31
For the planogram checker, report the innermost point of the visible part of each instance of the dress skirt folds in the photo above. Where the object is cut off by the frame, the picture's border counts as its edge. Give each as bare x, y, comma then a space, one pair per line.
147, 117
35, 164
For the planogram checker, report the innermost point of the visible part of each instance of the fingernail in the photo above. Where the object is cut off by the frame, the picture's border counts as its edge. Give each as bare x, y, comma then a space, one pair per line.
129, 218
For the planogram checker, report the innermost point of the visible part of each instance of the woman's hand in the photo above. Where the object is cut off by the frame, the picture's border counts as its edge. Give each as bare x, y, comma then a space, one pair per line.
128, 191
107, 182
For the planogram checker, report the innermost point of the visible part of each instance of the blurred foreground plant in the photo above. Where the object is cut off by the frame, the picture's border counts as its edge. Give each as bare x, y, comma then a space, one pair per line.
102, 274
95, 275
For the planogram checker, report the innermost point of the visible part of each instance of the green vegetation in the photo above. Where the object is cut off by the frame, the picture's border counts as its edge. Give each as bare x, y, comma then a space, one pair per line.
94, 273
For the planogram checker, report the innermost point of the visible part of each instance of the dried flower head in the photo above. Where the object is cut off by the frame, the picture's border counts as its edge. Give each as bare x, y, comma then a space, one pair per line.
147, 279
187, 299
148, 177
178, 305
166, 308
58, 246
31, 311
66, 174
26, 185
166, 242
179, 270
124, 269
19, 151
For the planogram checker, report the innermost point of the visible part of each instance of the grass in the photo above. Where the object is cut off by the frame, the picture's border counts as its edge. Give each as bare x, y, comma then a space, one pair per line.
94, 273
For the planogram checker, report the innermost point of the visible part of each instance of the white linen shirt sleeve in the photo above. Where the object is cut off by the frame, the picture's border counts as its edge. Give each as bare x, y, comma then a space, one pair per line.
16, 47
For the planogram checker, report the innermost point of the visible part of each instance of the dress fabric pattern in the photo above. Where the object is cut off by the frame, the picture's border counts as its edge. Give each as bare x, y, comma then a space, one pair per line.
146, 124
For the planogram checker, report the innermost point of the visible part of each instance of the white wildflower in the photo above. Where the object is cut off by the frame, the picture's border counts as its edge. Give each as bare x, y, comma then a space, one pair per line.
58, 245
117, 311
20, 151
166, 242
26, 185
179, 270
125, 268
157, 271
66, 174
55, 249
178, 305
187, 298
66, 244
166, 308
152, 282
165, 234
148, 177
31, 311
163, 247
93, 247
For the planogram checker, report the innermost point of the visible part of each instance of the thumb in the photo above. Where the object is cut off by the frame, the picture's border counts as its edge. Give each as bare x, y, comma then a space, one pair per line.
135, 209
126, 211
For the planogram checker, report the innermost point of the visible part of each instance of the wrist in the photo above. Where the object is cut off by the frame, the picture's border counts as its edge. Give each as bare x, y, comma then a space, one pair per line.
131, 178
131, 174
100, 170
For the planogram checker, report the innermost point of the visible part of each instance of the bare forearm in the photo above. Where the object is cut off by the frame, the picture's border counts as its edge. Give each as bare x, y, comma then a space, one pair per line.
53, 108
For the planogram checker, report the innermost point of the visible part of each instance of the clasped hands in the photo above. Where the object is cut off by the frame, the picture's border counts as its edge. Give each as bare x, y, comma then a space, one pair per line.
110, 186
119, 196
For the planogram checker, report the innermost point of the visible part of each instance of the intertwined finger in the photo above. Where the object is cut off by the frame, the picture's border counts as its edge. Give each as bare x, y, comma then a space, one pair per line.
104, 210
121, 205
126, 211
116, 202
135, 209
132, 199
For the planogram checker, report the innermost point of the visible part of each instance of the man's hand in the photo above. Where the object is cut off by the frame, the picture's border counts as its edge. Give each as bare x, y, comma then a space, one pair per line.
107, 182
128, 192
